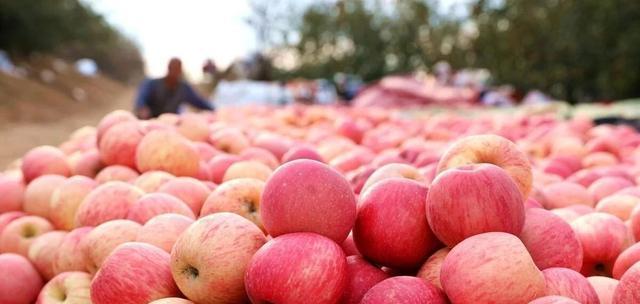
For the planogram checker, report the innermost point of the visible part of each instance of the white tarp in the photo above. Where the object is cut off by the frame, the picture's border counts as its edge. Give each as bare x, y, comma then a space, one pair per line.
246, 92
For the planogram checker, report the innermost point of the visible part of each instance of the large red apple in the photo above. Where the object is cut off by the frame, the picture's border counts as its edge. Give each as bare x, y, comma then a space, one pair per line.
104, 238
404, 289
628, 291
604, 287
44, 160
109, 201
152, 204
163, 230
19, 282
430, 270
67, 287
362, 276
190, 190
569, 283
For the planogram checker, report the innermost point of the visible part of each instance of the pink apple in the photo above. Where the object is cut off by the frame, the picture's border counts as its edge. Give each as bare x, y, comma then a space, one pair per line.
349, 246
44, 160
109, 201
390, 228
551, 241
70, 254
320, 201
152, 204
404, 289
193, 127
66, 200
247, 169
206, 151
352, 160
118, 144
112, 119
260, 155
606, 186
163, 230
42, 252
86, 163
297, 268
8, 217
134, 273
554, 300
301, 152
628, 291
167, 151
67, 287
240, 196
430, 270
104, 238
276, 144
391, 171
604, 287
190, 190
619, 205
12, 190
361, 277
229, 140
171, 301
37, 196
569, 283
116, 173
18, 235
634, 222
20, 281
627, 258
563, 194
603, 237
473, 199
219, 164
209, 259
532, 203
491, 267
358, 177
152, 180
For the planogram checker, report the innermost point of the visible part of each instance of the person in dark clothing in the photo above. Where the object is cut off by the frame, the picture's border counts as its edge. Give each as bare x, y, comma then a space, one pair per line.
167, 94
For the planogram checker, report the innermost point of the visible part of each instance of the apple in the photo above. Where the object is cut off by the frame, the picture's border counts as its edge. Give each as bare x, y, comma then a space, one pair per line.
358, 177
37, 196
42, 251
44, 160
219, 164
20, 233
112, 119
532, 203
393, 170
634, 223
247, 169
361, 277
67, 287
70, 255
116, 173
229, 140
205, 150
608, 185
563, 194
167, 151
134, 273
12, 190
349, 246
104, 238
20, 281
152, 204
320, 201
193, 126
118, 144
551, 241
473, 199
86, 163
603, 237
569, 283
109, 201
628, 291
240, 196
627, 258
171, 301
430, 270
66, 200
491, 149
190, 190
209, 259
604, 287
8, 217
619, 205
163, 230
301, 152
260, 155
554, 300
404, 289
491, 267
298, 267
390, 228
152, 180
276, 144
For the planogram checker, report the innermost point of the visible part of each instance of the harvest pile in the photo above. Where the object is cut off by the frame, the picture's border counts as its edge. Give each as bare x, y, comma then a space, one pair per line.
325, 205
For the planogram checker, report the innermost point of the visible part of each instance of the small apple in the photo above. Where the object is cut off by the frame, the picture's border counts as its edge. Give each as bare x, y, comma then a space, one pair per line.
604, 287
240, 196
116, 173
167, 151
67, 287
430, 270
190, 190
66, 200
70, 254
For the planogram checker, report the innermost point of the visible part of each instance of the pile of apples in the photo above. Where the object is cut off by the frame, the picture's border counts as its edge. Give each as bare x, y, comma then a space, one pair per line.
308, 204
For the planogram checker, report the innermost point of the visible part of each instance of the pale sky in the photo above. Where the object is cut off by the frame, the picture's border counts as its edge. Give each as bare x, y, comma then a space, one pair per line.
193, 30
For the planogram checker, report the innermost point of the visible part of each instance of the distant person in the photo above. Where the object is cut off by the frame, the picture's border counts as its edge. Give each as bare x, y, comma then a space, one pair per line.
167, 94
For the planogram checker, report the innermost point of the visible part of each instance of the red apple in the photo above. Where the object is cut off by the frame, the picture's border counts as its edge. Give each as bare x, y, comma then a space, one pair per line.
625, 260
301, 152
229, 140
219, 164
608, 185
70, 254
167, 151
12, 190
118, 144
247, 169
628, 291
152, 204
37, 196
240, 196
563, 194
44, 160
569, 283
404, 289
67, 287
104, 238
361, 277
190, 190
151, 181
260, 155
554, 300
634, 222
66, 200
42, 252
116, 173
19, 282
86, 163
109, 201
430, 270
18, 235
163, 230
391, 171
8, 217
619, 205
604, 287
112, 119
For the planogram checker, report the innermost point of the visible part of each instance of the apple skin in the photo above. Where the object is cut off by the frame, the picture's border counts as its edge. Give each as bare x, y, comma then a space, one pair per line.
569, 283
66, 200
116, 173
12, 190
491, 149
134, 273
634, 222
112, 119
625, 260
352, 160
209, 259
619, 205
260, 155
151, 181
491, 267
24, 283
404, 289
70, 254
608, 185
193, 126
219, 164
563, 194
604, 287
390, 228
628, 291
247, 169
391, 171
152, 204
42, 251
320, 201
206, 151
67, 287
603, 237
8, 217
240, 196
361, 277
430, 270
163, 230
473, 199
551, 241
109, 201
44, 160
86, 163
118, 145
301, 152
554, 300
171, 301
190, 190
37, 196
20, 233
104, 238
349, 246
297, 267
229, 140
167, 151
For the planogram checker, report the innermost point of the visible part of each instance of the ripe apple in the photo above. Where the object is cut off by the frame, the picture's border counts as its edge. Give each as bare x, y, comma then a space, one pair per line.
118, 145
152, 180
44, 160
298, 267
86, 163
109, 201
8, 217
12, 190
167, 151
301, 152
276, 144
134, 273
569, 283
219, 164
20, 281
190, 190
361, 277
42, 251
171, 301
628, 291
260, 155
608, 185
193, 126
209, 259
634, 222
404, 289
390, 228
320, 201
152, 204
240, 196
163, 230
626, 259
554, 300
491, 267
18, 235
247, 169
37, 196
67, 287
391, 171
70, 254
104, 238
66, 200
473, 199
619, 205
349, 246
563, 194
205, 150
229, 140
430, 270
116, 173
112, 119
604, 287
